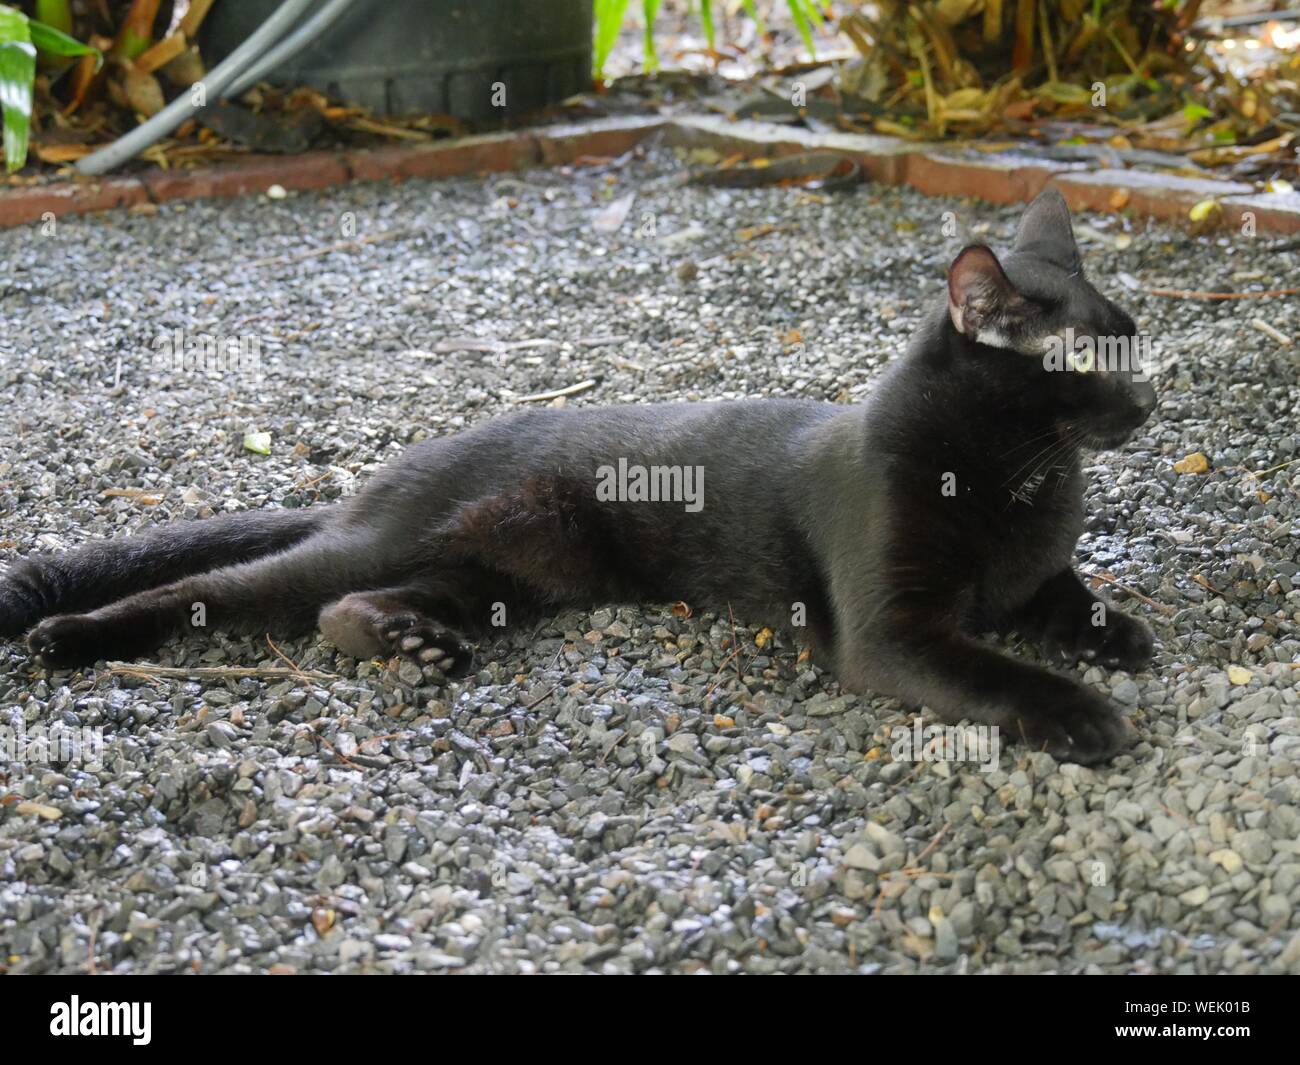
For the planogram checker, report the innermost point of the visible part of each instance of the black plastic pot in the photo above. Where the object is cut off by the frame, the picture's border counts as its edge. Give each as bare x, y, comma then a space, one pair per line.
445, 56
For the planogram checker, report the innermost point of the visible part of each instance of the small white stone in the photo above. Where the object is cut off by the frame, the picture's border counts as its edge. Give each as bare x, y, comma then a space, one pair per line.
1229, 859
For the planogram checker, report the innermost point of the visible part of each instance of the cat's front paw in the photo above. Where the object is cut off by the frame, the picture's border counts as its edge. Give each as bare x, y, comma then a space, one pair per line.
1079, 727
1104, 635
65, 641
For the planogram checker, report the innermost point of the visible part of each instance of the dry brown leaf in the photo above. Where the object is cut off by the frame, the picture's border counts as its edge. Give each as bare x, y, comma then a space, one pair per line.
161, 53
322, 918
136, 495
754, 232
61, 153
608, 219
194, 16
1019, 110
143, 93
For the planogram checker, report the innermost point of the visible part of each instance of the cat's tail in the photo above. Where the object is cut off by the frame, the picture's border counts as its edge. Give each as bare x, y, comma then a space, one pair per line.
104, 571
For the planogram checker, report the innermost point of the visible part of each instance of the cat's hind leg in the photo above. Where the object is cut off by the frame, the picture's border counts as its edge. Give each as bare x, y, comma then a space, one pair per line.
282, 593
511, 554
104, 571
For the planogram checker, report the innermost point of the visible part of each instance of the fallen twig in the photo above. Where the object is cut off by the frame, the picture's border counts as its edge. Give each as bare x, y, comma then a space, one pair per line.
1204, 583
487, 347
932, 844
368, 125
151, 671
1269, 331
1272, 469
333, 750
297, 669
542, 698
1164, 608
342, 245
1189, 294
600, 341
572, 390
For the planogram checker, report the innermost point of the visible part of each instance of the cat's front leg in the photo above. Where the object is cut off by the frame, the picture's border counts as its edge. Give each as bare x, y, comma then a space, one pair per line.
925, 663
1073, 623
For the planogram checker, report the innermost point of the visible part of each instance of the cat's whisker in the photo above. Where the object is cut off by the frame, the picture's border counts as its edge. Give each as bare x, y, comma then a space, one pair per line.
1037, 456
1033, 439
1052, 455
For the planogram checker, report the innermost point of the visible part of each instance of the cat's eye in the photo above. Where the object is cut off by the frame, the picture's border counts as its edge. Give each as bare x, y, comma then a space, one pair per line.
1083, 359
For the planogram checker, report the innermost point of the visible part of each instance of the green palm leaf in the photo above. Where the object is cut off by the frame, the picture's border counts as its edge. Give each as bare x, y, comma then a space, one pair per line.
17, 72
804, 13
609, 19
20, 39
53, 41
650, 9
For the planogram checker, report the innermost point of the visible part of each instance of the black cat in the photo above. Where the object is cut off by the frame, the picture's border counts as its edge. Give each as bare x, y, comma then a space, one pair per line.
950, 501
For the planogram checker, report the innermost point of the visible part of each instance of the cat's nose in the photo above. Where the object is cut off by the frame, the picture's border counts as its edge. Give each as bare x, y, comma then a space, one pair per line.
1144, 398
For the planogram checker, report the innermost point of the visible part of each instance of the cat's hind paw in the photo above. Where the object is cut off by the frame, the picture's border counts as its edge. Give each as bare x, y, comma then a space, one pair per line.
382, 623
427, 643
65, 641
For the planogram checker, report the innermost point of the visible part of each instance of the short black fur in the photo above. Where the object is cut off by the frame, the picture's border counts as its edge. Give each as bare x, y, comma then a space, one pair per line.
949, 502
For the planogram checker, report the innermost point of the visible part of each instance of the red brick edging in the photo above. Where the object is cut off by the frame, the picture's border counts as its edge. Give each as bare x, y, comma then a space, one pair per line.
1001, 177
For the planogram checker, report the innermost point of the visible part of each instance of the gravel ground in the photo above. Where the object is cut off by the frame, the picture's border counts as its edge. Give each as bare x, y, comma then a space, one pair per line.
619, 790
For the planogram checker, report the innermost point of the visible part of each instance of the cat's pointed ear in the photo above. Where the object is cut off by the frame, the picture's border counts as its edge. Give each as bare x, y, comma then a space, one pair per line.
981, 299
1045, 231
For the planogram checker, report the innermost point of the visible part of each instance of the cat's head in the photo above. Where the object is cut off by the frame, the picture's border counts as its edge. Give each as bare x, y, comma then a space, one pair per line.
1034, 304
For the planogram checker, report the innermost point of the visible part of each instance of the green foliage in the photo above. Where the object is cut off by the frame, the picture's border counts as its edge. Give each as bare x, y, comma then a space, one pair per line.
805, 15
17, 73
610, 13
53, 41
706, 20
20, 39
649, 9
55, 13
609, 17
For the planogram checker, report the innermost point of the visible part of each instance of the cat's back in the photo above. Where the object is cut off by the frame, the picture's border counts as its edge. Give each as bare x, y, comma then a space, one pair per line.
742, 446
673, 433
